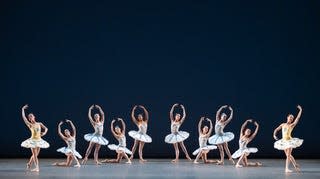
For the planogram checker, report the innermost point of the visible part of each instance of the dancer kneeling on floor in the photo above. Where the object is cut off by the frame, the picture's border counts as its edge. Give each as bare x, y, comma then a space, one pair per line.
243, 152
121, 149
70, 151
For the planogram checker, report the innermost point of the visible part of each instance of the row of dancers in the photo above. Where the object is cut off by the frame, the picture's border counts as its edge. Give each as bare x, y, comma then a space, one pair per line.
219, 140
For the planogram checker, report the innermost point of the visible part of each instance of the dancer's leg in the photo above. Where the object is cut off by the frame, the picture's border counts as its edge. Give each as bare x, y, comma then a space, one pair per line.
141, 145
134, 147
176, 149
220, 147
226, 148
84, 161
96, 154
184, 149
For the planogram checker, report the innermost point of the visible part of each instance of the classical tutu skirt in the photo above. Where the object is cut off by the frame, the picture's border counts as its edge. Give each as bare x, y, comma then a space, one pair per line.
66, 150
285, 144
121, 148
239, 152
140, 136
176, 137
33, 143
222, 138
208, 147
95, 138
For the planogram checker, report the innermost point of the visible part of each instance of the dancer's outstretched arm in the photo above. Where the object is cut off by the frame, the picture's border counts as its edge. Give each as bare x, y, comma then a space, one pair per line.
276, 131
59, 131
132, 115
74, 131
112, 129
45, 129
123, 126
219, 111
210, 129
244, 126
171, 111
145, 112
25, 119
255, 131
101, 113
230, 117
90, 116
199, 125
298, 116
183, 114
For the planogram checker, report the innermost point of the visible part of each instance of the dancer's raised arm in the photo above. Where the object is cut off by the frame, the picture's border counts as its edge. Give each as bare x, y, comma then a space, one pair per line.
244, 126
132, 115
112, 129
199, 125
219, 111
101, 112
298, 116
276, 131
123, 126
255, 131
145, 113
171, 111
59, 131
211, 127
25, 119
90, 116
74, 131
230, 117
45, 129
183, 114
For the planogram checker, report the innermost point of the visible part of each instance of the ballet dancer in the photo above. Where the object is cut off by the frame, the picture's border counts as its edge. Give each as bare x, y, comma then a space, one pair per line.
70, 151
203, 149
35, 142
177, 137
221, 138
243, 152
287, 143
96, 139
140, 137
121, 149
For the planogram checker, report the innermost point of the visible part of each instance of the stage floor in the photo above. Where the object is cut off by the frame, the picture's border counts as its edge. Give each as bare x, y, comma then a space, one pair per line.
158, 168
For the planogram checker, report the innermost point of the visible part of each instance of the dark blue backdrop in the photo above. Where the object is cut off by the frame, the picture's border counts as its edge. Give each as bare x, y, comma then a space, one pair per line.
260, 57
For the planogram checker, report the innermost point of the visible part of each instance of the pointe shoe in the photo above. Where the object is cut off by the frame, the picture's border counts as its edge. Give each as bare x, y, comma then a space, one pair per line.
98, 163
174, 160
28, 166
189, 158
142, 160
288, 171
232, 161
128, 162
220, 162
84, 161
239, 166
35, 169
258, 164
77, 166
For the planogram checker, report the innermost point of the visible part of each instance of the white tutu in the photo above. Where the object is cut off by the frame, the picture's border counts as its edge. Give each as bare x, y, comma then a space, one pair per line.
67, 150
140, 136
208, 147
239, 152
95, 138
285, 144
176, 137
33, 143
220, 139
118, 147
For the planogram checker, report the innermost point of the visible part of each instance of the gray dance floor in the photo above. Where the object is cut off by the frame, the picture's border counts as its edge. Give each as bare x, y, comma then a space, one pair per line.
158, 168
